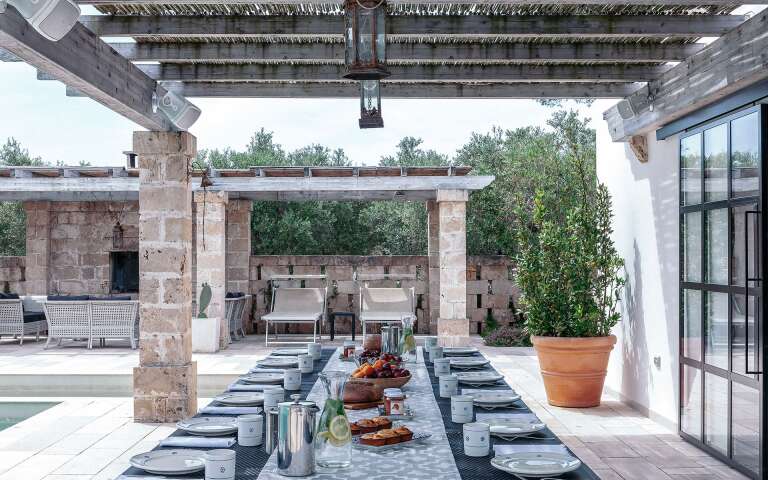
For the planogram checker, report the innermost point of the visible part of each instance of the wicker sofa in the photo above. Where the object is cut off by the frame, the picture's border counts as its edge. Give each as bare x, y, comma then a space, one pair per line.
91, 318
20, 316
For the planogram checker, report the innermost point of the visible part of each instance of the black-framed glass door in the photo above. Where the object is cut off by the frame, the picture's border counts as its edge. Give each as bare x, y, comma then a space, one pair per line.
722, 391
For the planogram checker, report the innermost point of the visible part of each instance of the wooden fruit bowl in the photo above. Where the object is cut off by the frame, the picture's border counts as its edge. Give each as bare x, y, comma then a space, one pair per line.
386, 382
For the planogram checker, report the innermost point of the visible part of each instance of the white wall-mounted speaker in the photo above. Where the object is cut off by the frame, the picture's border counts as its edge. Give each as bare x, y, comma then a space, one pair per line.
180, 112
51, 18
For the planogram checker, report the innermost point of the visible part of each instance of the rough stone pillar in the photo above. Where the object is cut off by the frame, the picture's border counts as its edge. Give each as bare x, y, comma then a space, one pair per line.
38, 254
211, 251
165, 382
239, 252
433, 264
453, 325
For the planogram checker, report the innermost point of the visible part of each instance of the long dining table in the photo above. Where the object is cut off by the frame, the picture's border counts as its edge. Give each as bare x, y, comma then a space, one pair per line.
440, 457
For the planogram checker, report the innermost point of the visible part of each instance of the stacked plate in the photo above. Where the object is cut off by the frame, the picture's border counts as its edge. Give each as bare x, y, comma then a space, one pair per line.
459, 351
479, 378
289, 352
208, 426
258, 378
490, 399
509, 426
469, 363
240, 399
170, 462
536, 464
278, 362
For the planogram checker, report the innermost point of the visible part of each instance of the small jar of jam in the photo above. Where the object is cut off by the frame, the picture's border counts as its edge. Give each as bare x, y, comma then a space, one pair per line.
349, 349
394, 401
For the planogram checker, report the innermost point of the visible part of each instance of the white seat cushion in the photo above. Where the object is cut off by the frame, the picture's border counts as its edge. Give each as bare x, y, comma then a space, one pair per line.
383, 316
291, 317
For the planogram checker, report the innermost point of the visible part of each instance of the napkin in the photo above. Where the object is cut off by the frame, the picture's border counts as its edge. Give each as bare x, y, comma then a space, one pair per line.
211, 410
508, 449
242, 387
198, 442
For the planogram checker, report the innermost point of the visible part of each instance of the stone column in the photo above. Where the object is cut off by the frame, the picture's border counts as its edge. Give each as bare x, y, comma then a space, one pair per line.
165, 382
211, 251
239, 252
453, 325
38, 255
433, 264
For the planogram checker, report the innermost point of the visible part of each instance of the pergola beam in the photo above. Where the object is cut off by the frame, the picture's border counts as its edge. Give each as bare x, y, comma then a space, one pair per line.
84, 62
486, 73
414, 52
566, 26
426, 2
402, 90
730, 63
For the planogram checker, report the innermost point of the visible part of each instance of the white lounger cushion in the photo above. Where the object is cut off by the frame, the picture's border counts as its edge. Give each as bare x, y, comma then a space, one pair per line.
296, 304
386, 301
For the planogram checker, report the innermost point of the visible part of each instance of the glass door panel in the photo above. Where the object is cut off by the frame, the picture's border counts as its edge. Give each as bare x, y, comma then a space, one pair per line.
745, 155
690, 169
692, 247
692, 324
743, 230
742, 331
716, 246
716, 412
745, 426
716, 330
716, 163
690, 402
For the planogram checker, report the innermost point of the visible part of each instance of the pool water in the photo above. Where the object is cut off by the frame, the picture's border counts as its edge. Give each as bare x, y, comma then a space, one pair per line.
12, 413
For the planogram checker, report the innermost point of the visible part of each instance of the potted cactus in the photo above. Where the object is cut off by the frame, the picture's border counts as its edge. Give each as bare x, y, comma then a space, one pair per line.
205, 331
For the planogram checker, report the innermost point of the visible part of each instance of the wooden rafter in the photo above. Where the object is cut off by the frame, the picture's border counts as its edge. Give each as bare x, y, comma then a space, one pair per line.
437, 52
84, 62
566, 26
430, 2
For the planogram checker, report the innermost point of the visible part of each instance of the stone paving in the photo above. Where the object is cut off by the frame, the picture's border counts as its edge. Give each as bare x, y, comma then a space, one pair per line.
93, 438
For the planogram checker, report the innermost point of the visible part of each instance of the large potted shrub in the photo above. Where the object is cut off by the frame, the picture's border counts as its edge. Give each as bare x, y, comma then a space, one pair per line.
205, 331
570, 276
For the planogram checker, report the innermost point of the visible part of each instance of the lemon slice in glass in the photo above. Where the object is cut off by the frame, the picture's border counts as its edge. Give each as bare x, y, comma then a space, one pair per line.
339, 433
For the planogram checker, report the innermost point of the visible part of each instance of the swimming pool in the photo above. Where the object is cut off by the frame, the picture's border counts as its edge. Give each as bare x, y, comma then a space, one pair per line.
12, 413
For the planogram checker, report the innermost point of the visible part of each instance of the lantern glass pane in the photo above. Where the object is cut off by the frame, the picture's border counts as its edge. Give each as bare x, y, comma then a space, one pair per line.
349, 43
369, 98
381, 37
365, 35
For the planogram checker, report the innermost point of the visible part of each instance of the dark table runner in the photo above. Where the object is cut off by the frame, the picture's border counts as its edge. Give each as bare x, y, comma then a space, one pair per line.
251, 460
479, 468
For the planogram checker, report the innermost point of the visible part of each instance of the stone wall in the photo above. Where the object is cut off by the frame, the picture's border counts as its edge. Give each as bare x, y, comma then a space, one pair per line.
12, 275
489, 285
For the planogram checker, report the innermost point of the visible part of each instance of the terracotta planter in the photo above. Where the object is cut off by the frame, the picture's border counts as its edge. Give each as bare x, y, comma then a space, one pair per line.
574, 368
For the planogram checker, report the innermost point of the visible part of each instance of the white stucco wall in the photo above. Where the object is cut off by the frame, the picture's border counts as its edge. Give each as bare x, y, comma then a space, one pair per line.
645, 199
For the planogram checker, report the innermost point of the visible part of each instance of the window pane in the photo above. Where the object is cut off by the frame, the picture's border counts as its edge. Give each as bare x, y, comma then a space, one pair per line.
716, 246
745, 155
692, 324
738, 257
716, 412
692, 247
716, 330
742, 332
746, 425
690, 404
716, 163
690, 169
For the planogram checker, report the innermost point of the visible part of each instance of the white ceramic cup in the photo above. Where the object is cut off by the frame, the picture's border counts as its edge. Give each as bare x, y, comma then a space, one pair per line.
430, 342
477, 439
306, 364
220, 464
435, 352
449, 386
249, 430
315, 350
273, 396
442, 366
462, 409
292, 379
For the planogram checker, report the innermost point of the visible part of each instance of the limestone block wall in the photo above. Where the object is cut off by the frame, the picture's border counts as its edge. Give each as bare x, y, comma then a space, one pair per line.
13, 275
490, 288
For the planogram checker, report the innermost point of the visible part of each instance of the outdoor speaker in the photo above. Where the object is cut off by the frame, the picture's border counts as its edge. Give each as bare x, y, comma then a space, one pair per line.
179, 111
51, 18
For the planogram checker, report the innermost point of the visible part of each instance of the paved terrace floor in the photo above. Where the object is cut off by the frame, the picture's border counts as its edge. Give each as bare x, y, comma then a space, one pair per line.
93, 437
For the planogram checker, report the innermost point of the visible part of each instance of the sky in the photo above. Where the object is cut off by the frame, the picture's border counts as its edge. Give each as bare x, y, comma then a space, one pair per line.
60, 128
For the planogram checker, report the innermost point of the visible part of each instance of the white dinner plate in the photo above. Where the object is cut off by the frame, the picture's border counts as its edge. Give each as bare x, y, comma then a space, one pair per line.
278, 362
510, 425
469, 363
241, 399
179, 461
536, 464
479, 378
459, 351
502, 397
289, 352
208, 426
257, 378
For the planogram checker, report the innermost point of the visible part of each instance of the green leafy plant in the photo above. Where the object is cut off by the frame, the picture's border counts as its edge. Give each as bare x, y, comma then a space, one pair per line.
507, 336
568, 268
490, 324
205, 300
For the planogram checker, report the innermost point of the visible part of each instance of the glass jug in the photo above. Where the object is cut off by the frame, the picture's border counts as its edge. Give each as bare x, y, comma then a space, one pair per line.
407, 340
333, 441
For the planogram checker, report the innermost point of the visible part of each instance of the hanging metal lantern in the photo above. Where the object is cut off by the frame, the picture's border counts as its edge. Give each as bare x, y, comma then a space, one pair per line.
370, 104
365, 48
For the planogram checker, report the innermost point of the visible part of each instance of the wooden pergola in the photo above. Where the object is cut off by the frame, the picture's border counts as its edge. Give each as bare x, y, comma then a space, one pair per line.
644, 52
